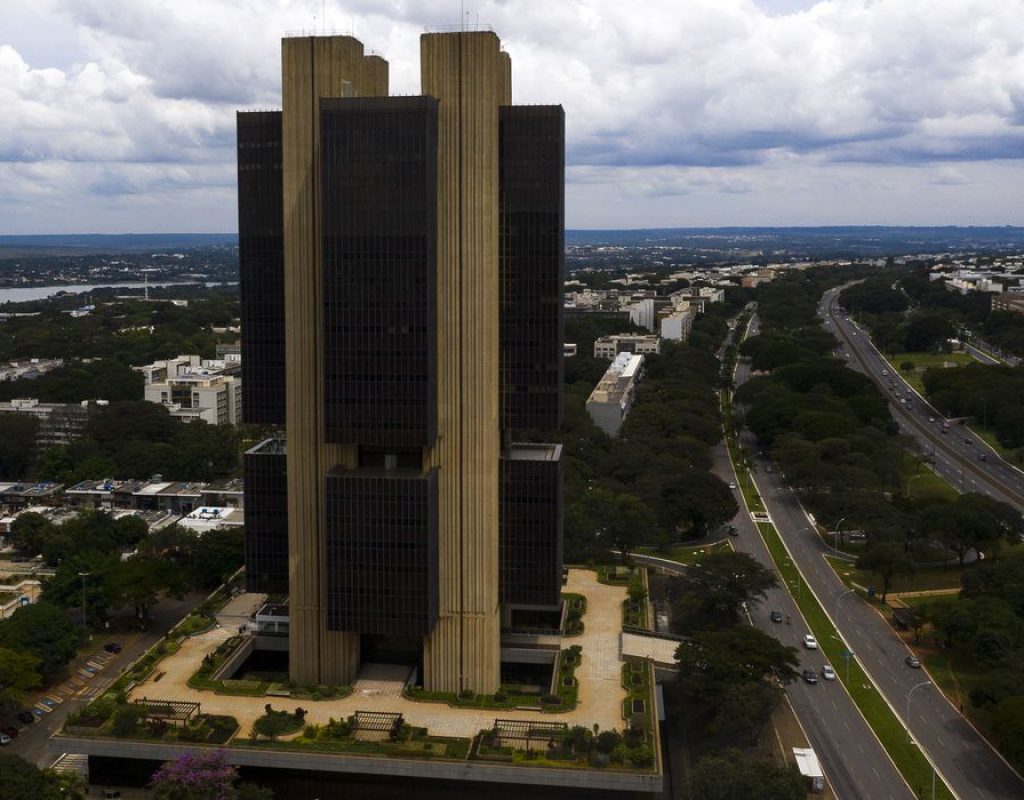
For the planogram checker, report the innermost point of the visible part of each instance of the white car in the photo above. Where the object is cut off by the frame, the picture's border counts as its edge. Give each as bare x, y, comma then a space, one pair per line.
732, 485
810, 642
828, 673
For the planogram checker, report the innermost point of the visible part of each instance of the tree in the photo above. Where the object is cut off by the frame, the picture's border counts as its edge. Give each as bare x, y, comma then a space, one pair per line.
711, 592
22, 779
713, 663
30, 531
1008, 726
203, 776
43, 630
615, 520
17, 675
906, 367
886, 560
17, 445
730, 775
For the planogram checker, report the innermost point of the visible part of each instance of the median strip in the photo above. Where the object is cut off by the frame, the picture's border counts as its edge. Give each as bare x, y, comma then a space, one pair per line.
887, 727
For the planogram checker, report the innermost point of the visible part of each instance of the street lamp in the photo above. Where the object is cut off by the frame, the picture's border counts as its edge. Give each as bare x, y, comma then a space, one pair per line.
83, 576
835, 536
840, 597
911, 692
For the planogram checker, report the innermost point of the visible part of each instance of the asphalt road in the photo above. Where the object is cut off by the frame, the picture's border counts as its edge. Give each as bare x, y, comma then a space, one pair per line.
854, 762
33, 742
958, 451
965, 760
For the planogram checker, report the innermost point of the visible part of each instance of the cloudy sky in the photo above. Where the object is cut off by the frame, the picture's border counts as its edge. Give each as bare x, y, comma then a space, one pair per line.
118, 115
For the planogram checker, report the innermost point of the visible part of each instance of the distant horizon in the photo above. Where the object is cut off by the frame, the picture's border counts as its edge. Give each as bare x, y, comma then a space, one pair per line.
837, 226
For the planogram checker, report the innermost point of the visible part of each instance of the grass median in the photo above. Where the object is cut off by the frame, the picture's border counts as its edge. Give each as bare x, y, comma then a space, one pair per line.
887, 727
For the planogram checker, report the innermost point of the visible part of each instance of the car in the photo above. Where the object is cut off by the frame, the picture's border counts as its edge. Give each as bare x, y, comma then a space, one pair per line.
913, 662
112, 647
810, 676
968, 441
776, 616
10, 730
26, 717
828, 673
982, 457
4, 739
733, 531
931, 419
810, 642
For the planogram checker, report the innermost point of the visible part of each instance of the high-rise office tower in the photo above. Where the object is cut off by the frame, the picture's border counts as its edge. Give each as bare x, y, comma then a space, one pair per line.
401, 267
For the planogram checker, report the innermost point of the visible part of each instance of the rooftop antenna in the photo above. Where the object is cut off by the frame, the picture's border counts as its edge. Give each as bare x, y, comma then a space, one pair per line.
462, 14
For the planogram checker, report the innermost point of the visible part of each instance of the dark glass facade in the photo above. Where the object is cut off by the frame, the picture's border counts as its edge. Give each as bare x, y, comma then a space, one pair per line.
532, 264
379, 173
382, 552
266, 518
530, 513
261, 266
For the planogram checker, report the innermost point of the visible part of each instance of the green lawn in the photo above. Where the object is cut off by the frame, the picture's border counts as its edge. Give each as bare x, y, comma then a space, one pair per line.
926, 579
1010, 455
684, 554
923, 361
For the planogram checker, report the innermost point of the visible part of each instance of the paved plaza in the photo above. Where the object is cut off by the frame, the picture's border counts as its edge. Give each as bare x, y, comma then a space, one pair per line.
379, 686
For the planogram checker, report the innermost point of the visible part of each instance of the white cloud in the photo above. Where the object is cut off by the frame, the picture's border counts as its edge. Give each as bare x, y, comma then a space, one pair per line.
727, 102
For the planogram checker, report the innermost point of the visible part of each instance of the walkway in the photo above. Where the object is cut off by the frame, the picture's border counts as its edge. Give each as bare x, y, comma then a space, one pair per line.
600, 694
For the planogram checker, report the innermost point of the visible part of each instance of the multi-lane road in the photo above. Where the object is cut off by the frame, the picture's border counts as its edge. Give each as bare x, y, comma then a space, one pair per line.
964, 759
958, 452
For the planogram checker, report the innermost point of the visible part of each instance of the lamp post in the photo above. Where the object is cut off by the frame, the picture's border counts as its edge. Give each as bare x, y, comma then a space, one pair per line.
835, 536
840, 597
83, 576
909, 694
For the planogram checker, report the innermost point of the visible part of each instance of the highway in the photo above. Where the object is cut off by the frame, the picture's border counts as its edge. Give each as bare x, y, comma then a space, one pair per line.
964, 759
958, 452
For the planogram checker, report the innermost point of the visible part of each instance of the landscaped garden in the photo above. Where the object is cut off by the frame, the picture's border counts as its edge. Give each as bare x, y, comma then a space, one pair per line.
564, 697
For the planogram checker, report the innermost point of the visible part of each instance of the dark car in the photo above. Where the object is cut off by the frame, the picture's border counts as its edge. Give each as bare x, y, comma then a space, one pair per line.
982, 457
810, 676
913, 662
776, 616
733, 531
968, 441
10, 730
26, 717
112, 647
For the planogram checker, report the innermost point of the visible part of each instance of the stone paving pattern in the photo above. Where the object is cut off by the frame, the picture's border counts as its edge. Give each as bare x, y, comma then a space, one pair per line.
379, 687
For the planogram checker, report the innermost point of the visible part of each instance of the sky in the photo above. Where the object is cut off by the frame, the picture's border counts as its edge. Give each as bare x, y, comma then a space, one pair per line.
118, 116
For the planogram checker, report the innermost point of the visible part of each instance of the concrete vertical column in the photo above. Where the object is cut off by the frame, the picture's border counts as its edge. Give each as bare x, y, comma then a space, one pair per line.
470, 76
312, 68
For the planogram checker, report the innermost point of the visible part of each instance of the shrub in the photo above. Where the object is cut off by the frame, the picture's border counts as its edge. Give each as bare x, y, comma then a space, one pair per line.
126, 720
550, 700
607, 741
466, 694
641, 756
500, 696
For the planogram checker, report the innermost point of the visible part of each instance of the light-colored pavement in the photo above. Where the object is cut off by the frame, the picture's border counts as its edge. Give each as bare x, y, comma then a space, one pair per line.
599, 675
660, 651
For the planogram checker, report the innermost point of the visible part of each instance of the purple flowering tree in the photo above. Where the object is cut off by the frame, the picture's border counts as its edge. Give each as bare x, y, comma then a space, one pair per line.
196, 776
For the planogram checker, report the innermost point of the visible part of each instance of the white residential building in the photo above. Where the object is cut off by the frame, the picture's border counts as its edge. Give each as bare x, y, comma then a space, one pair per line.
613, 396
677, 325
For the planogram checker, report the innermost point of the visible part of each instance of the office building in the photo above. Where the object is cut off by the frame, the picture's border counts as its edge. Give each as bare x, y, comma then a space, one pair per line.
608, 347
401, 268
193, 388
676, 326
